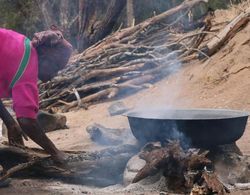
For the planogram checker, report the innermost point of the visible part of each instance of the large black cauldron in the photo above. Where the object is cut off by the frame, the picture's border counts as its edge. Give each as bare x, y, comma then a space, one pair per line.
199, 127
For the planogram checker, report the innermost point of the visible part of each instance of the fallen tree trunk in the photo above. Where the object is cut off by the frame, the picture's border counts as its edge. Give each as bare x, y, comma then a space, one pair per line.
227, 33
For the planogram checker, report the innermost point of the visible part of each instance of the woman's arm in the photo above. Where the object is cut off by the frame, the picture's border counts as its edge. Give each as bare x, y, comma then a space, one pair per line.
14, 131
35, 132
32, 129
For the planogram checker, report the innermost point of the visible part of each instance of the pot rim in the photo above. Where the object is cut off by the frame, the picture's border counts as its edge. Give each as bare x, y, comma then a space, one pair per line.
186, 114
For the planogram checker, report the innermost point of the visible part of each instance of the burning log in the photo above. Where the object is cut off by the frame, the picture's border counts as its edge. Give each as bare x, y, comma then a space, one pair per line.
128, 60
185, 171
213, 184
154, 160
162, 157
209, 184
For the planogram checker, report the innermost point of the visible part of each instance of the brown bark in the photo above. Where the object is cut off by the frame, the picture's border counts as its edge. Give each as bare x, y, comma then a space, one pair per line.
47, 12
130, 13
213, 183
95, 25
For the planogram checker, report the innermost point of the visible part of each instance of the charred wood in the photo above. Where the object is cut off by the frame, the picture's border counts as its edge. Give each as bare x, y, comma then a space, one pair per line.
100, 168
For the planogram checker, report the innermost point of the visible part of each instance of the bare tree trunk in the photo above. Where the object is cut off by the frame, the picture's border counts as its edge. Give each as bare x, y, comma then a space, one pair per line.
64, 13
47, 13
96, 20
83, 15
130, 13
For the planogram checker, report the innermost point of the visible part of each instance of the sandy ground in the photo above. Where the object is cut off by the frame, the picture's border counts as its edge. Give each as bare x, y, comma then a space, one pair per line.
223, 81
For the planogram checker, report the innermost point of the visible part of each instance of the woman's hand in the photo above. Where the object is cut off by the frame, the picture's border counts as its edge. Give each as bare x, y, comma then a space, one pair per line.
15, 135
15, 132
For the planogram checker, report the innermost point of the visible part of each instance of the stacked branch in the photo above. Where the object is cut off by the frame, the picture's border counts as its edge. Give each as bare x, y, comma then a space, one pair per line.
128, 60
133, 58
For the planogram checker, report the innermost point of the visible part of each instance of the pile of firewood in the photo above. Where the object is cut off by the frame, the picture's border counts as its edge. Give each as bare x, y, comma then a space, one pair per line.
184, 171
133, 58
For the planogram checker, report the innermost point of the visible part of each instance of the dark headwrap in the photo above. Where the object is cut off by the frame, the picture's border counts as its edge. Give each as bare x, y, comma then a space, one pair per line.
52, 48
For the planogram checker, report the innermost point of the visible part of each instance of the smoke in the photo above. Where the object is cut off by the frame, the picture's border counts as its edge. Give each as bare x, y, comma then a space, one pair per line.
162, 102
114, 138
159, 102
176, 134
164, 94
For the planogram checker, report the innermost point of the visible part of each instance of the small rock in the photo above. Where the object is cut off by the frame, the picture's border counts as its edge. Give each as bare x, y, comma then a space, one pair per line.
134, 165
106, 136
117, 108
50, 122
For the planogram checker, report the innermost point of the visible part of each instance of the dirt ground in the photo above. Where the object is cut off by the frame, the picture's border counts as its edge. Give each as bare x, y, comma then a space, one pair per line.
223, 81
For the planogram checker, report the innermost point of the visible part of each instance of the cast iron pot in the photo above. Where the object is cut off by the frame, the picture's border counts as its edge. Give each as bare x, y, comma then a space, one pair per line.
196, 127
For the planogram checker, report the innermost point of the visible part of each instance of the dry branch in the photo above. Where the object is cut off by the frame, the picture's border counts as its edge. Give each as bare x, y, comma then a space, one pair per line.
213, 183
111, 92
16, 169
227, 33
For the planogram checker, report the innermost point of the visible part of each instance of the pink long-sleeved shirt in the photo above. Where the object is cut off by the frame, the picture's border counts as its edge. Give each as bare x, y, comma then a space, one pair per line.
25, 90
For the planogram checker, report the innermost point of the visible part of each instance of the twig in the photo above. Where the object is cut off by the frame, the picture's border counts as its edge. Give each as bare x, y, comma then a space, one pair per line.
18, 168
77, 97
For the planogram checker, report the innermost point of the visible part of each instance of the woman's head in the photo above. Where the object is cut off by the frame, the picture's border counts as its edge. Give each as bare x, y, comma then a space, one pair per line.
53, 53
